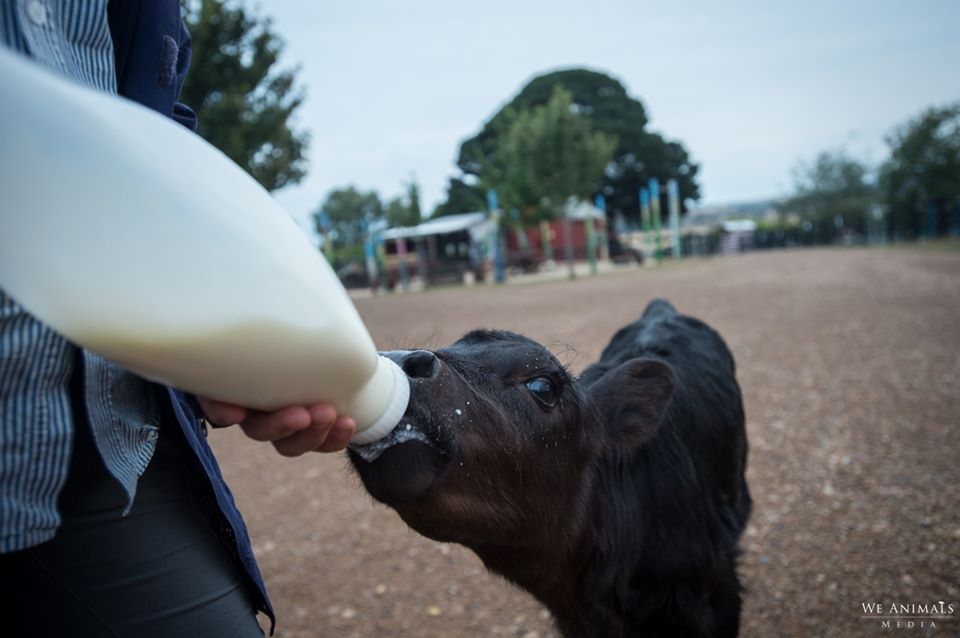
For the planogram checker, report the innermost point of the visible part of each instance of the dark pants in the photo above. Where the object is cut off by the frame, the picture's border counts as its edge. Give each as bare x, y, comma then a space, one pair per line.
160, 571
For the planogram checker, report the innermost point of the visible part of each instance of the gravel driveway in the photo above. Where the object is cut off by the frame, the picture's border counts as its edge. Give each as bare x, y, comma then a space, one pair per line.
849, 360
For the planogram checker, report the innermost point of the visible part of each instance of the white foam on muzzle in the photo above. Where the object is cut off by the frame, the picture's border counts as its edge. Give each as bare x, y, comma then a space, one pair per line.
401, 434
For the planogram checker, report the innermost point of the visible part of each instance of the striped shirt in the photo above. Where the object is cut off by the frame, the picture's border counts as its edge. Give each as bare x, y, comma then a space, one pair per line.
141, 50
71, 37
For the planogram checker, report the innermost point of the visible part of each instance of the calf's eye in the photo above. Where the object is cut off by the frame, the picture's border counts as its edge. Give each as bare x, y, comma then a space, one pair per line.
543, 390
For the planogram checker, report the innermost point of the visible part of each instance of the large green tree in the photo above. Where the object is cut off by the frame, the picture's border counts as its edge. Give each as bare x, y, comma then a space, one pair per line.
835, 190
922, 175
639, 156
548, 154
244, 102
349, 210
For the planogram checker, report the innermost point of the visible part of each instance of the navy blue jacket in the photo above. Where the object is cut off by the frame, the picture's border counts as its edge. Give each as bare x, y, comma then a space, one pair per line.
152, 50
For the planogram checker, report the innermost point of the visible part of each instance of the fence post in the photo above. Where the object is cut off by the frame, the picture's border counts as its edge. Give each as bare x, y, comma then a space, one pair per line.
602, 238
673, 196
654, 186
645, 220
546, 240
402, 261
370, 256
500, 273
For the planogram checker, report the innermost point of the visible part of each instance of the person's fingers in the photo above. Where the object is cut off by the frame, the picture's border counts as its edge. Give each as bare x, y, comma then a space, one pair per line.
293, 431
339, 435
322, 413
305, 440
221, 414
271, 426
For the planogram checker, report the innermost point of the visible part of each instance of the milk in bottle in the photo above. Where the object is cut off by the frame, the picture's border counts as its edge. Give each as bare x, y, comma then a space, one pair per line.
134, 238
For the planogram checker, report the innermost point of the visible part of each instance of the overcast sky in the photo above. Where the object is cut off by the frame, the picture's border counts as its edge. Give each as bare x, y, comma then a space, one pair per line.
748, 87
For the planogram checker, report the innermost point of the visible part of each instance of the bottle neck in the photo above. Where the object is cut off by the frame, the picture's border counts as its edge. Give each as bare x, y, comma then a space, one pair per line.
381, 402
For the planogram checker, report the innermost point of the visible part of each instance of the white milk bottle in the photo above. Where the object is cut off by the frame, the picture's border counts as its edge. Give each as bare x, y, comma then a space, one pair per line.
134, 238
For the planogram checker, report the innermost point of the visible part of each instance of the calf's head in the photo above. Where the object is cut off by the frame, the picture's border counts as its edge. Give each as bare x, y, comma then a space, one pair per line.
497, 444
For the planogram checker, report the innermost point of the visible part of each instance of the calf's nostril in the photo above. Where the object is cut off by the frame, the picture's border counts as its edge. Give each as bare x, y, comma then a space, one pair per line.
420, 364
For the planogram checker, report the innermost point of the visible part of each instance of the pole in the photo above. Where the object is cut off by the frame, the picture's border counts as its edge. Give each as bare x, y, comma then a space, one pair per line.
654, 186
499, 266
673, 196
591, 244
546, 240
369, 253
402, 258
602, 238
422, 265
519, 230
380, 254
645, 221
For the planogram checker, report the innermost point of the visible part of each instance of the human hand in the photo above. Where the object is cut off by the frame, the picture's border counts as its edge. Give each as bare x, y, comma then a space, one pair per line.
293, 431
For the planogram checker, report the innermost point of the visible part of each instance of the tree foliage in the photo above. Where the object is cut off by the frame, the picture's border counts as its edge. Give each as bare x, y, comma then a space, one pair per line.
923, 171
405, 211
462, 197
546, 155
640, 154
833, 186
349, 210
243, 101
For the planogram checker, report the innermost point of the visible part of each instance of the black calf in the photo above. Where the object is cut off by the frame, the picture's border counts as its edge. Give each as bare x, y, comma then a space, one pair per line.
617, 499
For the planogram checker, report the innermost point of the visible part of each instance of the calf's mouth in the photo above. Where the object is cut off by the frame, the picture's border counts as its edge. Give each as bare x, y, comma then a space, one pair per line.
401, 468
404, 432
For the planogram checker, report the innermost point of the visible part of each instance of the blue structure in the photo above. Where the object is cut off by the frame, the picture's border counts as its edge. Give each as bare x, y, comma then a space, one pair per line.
500, 270
654, 187
673, 199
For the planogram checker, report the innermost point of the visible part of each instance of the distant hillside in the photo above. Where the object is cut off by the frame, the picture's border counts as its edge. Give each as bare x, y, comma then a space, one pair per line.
716, 213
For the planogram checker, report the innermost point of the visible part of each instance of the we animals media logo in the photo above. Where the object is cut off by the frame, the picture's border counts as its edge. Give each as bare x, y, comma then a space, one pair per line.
909, 615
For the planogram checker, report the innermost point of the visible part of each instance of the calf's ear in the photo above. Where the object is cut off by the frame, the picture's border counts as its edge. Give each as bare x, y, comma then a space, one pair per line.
632, 400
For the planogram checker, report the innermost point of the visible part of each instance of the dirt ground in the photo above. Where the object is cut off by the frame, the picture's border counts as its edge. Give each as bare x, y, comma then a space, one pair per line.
849, 362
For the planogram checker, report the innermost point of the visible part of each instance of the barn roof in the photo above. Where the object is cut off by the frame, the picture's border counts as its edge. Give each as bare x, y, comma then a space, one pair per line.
476, 223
